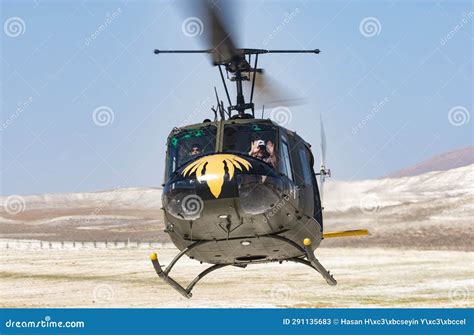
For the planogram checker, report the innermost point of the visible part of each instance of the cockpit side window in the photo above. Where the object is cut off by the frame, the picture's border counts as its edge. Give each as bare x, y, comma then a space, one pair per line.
306, 166
188, 144
253, 139
285, 161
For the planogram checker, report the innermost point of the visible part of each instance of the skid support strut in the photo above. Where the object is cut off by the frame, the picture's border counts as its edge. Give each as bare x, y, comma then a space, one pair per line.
164, 274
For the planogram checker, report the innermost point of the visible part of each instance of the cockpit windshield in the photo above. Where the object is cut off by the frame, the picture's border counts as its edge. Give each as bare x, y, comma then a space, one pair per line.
254, 139
188, 144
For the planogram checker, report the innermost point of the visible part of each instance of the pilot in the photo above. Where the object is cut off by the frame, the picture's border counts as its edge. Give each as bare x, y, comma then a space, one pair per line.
195, 149
264, 152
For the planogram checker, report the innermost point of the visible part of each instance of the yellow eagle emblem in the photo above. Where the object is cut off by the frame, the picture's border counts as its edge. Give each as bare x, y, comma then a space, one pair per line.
215, 170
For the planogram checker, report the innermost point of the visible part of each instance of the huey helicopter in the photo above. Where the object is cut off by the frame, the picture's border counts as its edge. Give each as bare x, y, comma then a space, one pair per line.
240, 190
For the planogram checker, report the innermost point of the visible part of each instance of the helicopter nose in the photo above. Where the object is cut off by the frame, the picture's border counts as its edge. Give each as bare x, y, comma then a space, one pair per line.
190, 199
254, 184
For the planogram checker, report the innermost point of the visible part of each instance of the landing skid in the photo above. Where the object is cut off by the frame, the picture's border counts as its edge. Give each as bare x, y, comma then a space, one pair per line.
312, 262
164, 274
309, 260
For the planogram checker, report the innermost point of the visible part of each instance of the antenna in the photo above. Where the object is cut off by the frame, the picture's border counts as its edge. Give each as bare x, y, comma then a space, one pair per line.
219, 105
223, 109
215, 113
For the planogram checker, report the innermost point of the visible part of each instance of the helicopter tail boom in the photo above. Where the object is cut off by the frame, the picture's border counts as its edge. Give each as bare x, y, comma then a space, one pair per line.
346, 233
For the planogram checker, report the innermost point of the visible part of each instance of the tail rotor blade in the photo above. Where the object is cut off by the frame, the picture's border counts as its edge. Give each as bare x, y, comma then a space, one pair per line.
323, 142
321, 188
323, 172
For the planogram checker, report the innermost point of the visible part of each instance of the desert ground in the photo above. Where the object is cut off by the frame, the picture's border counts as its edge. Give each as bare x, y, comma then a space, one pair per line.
368, 277
92, 249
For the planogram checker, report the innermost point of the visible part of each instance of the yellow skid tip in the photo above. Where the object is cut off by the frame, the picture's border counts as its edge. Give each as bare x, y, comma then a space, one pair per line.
307, 241
154, 256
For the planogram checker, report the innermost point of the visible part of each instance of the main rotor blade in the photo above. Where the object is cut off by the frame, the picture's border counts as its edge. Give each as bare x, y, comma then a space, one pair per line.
239, 51
222, 45
315, 51
157, 51
271, 93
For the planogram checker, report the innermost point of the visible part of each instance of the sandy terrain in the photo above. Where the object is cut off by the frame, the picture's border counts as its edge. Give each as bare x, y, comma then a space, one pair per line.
125, 278
430, 211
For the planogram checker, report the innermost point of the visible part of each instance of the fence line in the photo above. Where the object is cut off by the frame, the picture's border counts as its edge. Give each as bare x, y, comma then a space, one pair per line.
71, 245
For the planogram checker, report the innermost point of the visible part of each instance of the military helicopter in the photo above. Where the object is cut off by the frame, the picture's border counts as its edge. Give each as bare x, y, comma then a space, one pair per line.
241, 190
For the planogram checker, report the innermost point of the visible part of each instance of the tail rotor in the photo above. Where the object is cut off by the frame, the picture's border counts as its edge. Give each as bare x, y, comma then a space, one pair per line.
323, 173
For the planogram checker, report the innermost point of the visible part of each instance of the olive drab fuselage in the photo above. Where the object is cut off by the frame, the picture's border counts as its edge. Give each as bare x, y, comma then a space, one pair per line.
239, 201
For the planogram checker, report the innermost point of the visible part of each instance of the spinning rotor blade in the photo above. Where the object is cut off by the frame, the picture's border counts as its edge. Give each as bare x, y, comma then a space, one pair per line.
212, 20
222, 46
271, 93
219, 38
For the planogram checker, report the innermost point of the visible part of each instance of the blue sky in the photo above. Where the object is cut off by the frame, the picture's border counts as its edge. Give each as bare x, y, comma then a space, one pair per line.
393, 83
